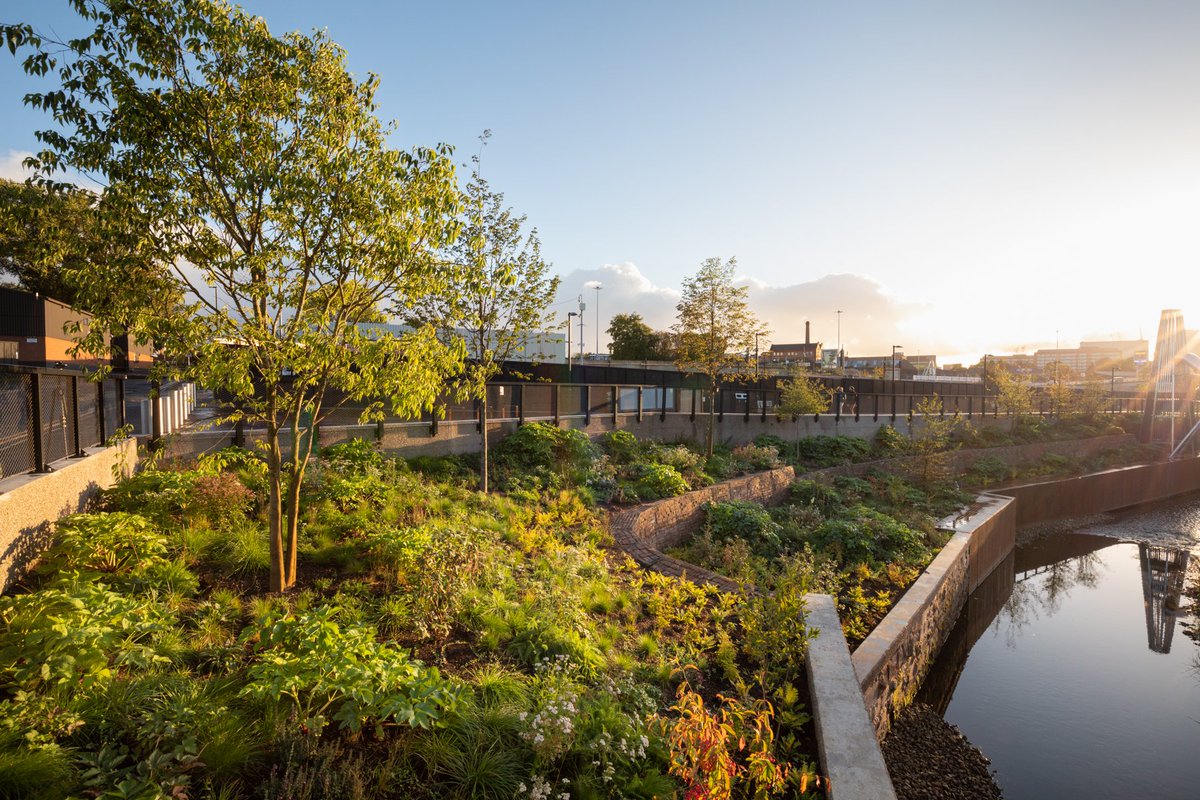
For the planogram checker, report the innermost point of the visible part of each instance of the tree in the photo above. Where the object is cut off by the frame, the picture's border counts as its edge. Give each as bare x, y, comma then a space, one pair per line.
234, 159
802, 396
44, 234
932, 432
634, 340
1013, 392
500, 293
714, 332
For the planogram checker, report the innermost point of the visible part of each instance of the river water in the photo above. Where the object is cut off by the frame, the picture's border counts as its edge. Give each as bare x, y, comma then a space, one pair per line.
1076, 666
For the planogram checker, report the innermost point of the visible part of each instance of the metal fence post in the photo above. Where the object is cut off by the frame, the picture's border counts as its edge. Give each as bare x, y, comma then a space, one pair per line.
100, 415
587, 404
75, 414
121, 402
519, 397
35, 429
616, 399
719, 402
554, 390
693, 414
640, 405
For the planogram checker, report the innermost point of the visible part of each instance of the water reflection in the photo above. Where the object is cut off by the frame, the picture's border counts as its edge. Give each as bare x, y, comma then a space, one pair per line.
1163, 571
1057, 675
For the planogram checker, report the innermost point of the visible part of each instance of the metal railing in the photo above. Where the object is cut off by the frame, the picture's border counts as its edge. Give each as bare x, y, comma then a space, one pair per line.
49, 414
527, 401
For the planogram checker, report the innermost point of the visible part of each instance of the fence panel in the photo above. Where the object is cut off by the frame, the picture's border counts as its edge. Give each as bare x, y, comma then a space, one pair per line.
89, 414
58, 417
16, 420
112, 410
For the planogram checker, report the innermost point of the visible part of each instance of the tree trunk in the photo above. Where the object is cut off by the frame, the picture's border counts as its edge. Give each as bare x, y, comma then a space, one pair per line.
712, 419
278, 580
293, 524
483, 443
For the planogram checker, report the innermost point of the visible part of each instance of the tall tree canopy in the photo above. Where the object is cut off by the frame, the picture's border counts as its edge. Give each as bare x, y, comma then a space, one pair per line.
714, 331
634, 340
251, 164
502, 290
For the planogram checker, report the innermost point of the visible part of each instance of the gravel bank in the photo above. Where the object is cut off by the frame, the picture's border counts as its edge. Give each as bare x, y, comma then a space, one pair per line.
930, 760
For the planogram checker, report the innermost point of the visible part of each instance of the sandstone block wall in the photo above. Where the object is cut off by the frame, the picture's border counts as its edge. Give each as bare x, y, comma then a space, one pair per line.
892, 662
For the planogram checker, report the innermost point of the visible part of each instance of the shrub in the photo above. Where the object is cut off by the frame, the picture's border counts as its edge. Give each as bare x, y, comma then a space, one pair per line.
752, 457
117, 543
989, 470
556, 457
158, 494
656, 481
888, 442
241, 549
355, 457
320, 667
821, 497
621, 446
739, 519
865, 535
831, 451
221, 497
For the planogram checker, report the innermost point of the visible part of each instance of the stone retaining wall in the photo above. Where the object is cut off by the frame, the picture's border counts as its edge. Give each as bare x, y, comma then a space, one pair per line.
31, 504
893, 660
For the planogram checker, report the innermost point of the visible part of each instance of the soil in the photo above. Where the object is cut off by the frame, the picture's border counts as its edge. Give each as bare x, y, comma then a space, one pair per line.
930, 760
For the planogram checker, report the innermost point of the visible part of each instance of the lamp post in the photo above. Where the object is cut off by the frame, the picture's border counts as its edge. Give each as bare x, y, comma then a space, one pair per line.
569, 315
895, 347
840, 365
598, 287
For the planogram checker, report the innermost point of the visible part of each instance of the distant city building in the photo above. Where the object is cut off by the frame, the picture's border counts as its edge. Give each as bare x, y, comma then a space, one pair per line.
924, 364
1094, 355
808, 354
544, 347
782, 355
829, 356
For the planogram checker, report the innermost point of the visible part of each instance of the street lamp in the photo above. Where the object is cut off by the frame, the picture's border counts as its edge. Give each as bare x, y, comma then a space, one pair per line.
840, 365
569, 315
598, 287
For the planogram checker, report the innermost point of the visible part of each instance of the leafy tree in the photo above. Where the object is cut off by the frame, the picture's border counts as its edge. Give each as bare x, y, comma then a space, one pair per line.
802, 396
932, 432
42, 235
714, 331
634, 340
254, 164
1013, 392
501, 291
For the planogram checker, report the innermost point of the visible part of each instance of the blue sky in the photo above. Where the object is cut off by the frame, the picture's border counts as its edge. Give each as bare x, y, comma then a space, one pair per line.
956, 177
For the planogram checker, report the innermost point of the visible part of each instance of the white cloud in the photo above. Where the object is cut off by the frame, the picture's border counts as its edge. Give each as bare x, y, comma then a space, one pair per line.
11, 168
872, 319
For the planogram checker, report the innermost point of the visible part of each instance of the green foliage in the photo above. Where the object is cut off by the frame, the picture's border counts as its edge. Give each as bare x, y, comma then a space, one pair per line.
118, 543
76, 635
802, 396
741, 519
888, 442
157, 494
321, 667
553, 457
831, 451
866, 535
656, 481
715, 327
757, 457
631, 339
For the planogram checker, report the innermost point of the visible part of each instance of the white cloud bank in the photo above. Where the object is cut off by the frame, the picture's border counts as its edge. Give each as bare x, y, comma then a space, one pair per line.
11, 167
872, 319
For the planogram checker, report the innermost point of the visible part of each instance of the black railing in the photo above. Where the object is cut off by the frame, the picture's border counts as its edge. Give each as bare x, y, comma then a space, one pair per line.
49, 414
526, 401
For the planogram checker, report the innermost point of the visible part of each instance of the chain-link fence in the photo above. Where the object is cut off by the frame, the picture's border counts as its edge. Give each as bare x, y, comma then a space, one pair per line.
48, 414
16, 414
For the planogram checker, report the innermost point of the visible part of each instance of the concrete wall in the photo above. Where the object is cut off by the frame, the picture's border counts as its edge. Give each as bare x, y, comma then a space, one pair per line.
31, 504
893, 660
458, 437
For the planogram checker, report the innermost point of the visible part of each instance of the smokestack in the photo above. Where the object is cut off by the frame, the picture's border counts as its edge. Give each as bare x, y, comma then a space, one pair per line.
806, 326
